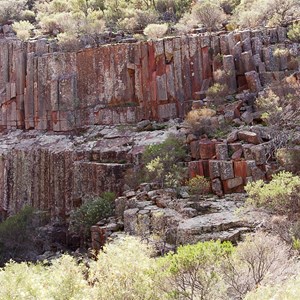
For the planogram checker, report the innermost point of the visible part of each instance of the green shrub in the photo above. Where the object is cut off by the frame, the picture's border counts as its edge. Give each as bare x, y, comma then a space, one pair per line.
186, 24
15, 231
192, 272
137, 20
294, 32
161, 161
123, 270
90, 213
74, 18
281, 110
288, 158
280, 195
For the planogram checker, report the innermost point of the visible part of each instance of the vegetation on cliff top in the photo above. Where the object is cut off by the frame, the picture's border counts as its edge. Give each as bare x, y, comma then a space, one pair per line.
71, 20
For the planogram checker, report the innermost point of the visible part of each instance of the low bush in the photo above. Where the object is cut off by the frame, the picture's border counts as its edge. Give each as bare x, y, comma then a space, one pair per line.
15, 231
216, 94
126, 269
294, 32
192, 272
288, 158
280, 105
281, 194
267, 12
199, 185
162, 162
209, 14
23, 29
155, 31
91, 212
199, 121
260, 259
11, 10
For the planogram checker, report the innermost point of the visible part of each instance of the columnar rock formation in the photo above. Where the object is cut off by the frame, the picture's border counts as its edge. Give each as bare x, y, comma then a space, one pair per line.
231, 164
125, 83
56, 173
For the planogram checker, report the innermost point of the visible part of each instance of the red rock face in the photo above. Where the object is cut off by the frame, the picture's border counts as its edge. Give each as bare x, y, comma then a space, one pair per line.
156, 80
230, 173
52, 181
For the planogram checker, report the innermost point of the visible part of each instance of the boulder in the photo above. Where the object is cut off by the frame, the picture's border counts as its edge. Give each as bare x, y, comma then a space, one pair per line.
226, 170
249, 137
222, 151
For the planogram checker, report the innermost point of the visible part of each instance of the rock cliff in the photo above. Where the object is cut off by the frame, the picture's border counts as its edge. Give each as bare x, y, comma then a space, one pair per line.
125, 83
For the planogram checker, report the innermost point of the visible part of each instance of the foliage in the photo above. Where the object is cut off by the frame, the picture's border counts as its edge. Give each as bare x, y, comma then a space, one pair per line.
74, 18
14, 232
258, 260
199, 185
253, 13
281, 110
161, 161
155, 31
280, 195
11, 10
281, 52
91, 212
64, 278
288, 290
294, 32
288, 157
229, 5
199, 121
68, 41
216, 94
186, 24
137, 20
23, 29
191, 272
209, 14
124, 270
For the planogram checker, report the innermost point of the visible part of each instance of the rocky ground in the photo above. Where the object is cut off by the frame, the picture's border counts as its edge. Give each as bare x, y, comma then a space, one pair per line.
170, 218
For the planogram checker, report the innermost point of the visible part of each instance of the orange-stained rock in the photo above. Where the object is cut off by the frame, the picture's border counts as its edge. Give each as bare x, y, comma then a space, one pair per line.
207, 149
196, 168
241, 169
159, 78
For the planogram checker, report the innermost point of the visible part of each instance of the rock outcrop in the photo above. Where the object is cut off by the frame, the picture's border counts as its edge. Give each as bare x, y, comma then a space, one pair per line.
126, 83
56, 173
169, 220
